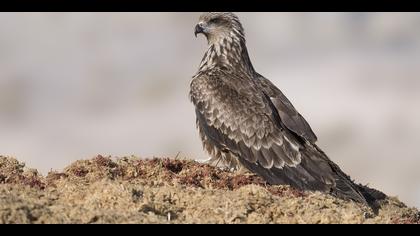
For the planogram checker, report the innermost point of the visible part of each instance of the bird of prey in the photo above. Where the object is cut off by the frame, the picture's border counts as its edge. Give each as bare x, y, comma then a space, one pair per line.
244, 120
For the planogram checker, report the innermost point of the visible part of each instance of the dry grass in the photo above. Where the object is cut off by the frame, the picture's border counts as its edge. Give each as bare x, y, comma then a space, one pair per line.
131, 190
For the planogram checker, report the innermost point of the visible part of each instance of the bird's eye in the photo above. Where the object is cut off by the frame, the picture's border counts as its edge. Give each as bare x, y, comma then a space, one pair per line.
214, 20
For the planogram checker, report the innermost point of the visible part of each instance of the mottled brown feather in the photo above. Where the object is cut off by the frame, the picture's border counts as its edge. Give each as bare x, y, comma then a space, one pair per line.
245, 120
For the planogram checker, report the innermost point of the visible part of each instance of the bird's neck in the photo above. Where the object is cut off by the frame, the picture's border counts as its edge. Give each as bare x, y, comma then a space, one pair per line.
228, 53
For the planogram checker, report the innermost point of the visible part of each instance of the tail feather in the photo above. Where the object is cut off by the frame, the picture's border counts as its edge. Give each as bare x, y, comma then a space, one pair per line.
346, 188
317, 172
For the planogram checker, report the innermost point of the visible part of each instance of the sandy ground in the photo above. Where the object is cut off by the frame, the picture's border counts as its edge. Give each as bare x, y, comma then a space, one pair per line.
132, 190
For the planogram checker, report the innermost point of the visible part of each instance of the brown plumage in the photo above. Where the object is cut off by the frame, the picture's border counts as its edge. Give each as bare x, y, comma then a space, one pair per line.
245, 120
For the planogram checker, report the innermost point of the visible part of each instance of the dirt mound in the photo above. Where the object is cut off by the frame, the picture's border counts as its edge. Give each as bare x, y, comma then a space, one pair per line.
131, 190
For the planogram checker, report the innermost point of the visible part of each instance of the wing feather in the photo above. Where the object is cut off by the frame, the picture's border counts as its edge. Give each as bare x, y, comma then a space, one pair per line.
286, 111
237, 114
243, 127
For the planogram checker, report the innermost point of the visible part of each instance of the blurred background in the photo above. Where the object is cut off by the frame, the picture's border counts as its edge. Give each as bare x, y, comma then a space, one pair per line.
74, 85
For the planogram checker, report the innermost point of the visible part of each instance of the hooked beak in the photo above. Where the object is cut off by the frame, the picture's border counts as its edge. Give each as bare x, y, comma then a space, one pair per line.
198, 30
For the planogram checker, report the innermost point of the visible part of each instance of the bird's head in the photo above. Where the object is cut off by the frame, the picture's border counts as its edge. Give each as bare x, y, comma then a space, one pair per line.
219, 25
